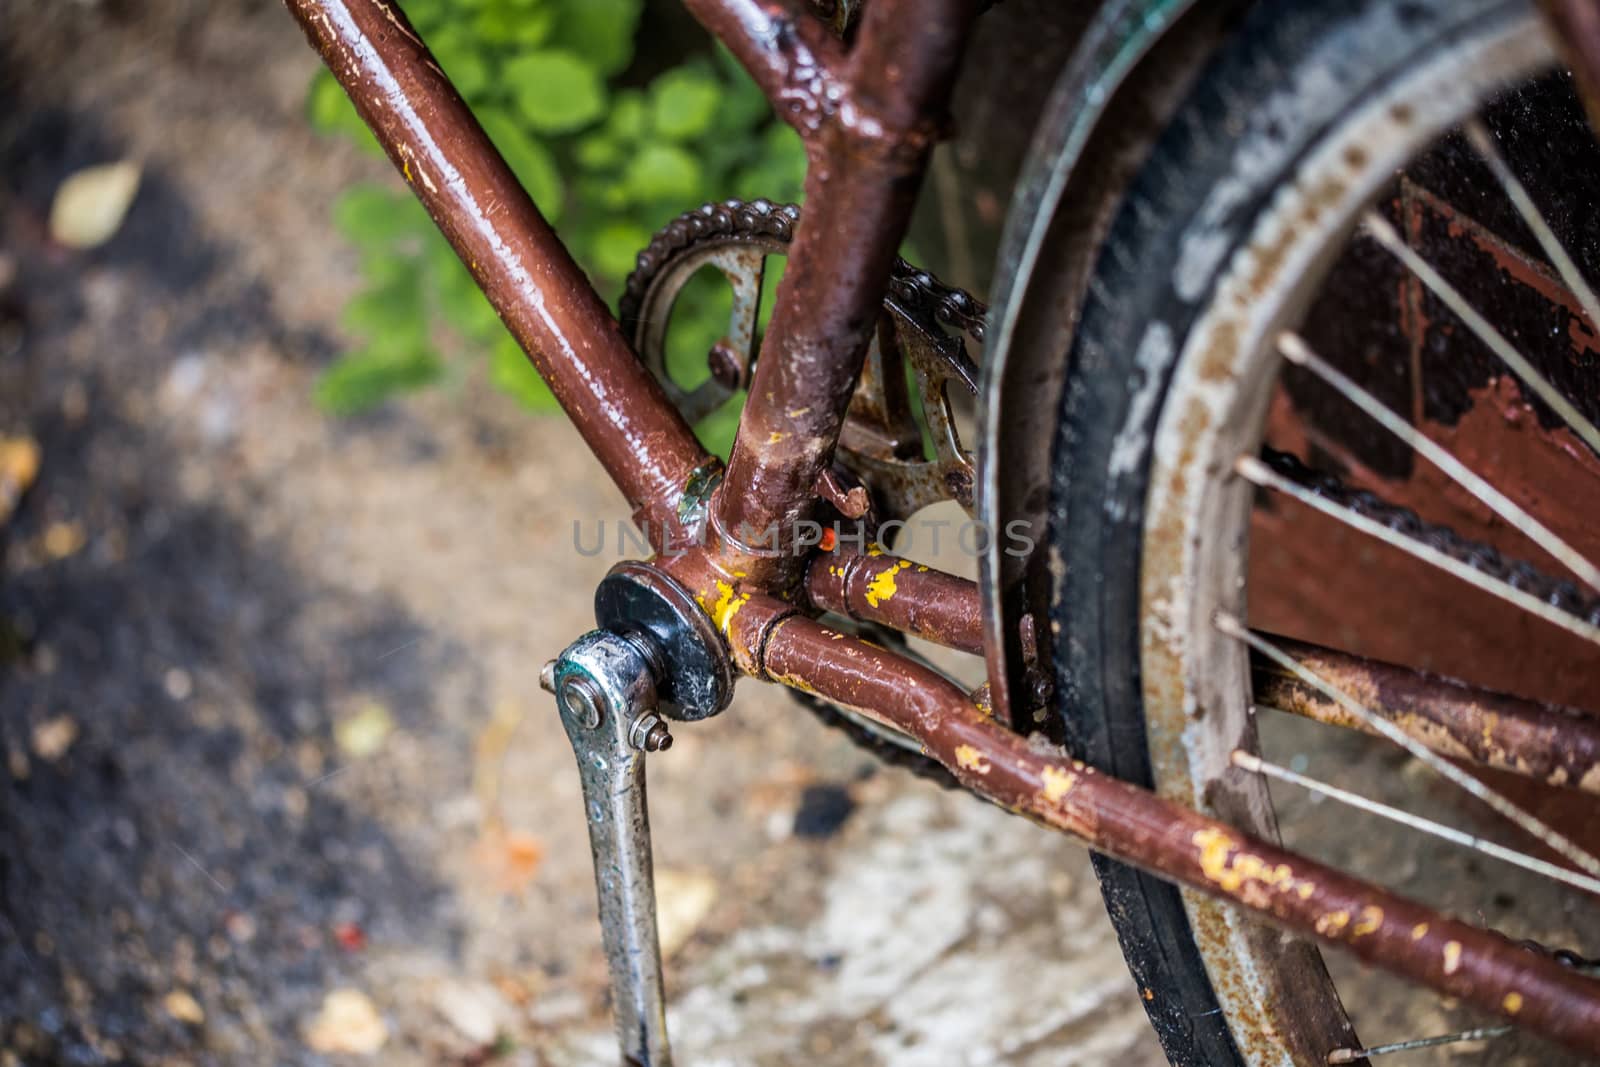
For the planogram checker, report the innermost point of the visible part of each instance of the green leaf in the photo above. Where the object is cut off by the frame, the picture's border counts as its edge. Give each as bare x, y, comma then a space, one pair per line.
615, 248
664, 172
598, 151
459, 299
376, 217
602, 31
529, 160
389, 315
464, 60
743, 104
513, 22
366, 377
331, 111
780, 172
555, 91
627, 117
511, 373
683, 103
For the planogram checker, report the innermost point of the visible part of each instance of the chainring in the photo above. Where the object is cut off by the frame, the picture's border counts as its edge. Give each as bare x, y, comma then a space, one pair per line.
900, 437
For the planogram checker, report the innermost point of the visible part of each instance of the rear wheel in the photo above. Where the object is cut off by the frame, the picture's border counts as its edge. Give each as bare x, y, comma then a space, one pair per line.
1242, 225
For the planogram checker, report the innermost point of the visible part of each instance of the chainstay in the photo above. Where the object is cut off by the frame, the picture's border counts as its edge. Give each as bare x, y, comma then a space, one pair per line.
1521, 575
918, 293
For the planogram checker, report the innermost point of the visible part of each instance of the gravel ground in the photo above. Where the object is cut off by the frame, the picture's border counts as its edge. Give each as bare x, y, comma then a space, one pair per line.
279, 780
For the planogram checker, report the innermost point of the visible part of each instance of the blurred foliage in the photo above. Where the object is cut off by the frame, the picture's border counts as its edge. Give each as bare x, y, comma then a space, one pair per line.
608, 155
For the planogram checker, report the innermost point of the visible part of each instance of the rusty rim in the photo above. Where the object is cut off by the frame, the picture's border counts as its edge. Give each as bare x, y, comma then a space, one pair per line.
1196, 681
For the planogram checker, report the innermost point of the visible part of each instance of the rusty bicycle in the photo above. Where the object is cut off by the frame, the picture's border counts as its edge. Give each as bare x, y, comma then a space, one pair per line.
1278, 422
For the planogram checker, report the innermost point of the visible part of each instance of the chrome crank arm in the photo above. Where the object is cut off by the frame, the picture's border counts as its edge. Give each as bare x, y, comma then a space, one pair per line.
606, 691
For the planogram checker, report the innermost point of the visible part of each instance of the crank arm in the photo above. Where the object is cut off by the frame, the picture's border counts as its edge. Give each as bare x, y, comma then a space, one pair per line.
606, 692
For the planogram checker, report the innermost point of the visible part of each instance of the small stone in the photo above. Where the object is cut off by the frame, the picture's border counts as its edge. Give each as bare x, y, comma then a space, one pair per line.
183, 1007
53, 737
178, 684
348, 1022
362, 733
475, 1009
683, 900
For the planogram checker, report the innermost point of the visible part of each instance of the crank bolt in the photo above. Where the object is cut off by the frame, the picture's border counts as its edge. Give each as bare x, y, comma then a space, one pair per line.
727, 369
547, 677
583, 701
649, 733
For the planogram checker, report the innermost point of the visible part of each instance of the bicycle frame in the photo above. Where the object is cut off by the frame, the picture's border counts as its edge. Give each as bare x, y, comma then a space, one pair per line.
869, 116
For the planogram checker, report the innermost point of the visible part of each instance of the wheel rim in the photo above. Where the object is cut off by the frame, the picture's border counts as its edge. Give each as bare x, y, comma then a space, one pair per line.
1195, 681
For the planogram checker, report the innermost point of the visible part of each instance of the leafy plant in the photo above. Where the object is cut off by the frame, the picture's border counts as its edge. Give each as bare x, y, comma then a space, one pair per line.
607, 155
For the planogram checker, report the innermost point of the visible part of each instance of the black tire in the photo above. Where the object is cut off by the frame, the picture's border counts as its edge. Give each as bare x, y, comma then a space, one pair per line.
1097, 511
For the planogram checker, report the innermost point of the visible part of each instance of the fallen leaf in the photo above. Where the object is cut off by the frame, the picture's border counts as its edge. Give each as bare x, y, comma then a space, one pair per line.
361, 734
62, 539
19, 466
90, 205
53, 737
348, 1022
183, 1007
683, 900
512, 858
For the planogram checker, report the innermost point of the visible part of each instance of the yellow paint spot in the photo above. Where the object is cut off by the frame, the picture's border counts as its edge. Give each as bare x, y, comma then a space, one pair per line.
774, 437
1305, 889
1512, 1004
723, 611
1419, 931
1332, 923
970, 759
1241, 868
874, 549
1371, 919
1057, 783
882, 587
1452, 957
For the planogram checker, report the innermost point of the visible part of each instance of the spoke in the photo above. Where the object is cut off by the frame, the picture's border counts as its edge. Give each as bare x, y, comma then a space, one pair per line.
1483, 143
1253, 470
1356, 1055
1385, 235
1251, 762
1533, 825
1296, 351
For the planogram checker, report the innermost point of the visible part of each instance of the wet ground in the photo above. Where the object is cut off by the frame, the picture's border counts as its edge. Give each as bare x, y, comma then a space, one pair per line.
279, 785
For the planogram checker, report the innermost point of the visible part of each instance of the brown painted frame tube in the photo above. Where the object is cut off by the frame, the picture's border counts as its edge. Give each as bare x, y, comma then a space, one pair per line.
794, 58
867, 162
1558, 746
899, 594
544, 297
1480, 967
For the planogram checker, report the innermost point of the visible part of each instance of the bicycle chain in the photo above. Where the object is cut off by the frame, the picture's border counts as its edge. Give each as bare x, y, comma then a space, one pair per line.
1560, 593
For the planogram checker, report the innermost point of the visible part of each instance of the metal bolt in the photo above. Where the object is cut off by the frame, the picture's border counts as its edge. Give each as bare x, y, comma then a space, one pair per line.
547, 677
726, 367
649, 733
582, 700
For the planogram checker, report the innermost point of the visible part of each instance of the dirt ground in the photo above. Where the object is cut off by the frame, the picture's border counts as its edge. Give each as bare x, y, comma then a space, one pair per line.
279, 779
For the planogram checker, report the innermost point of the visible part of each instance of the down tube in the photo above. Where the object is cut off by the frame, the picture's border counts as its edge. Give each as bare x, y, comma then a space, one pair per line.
522, 266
